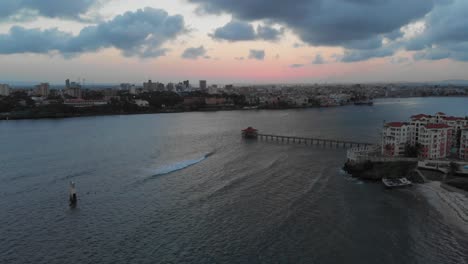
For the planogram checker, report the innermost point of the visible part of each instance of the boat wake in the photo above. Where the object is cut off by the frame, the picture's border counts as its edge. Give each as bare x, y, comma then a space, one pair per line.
180, 165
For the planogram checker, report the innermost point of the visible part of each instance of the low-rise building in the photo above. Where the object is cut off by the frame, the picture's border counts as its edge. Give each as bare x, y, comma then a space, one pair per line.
215, 100
84, 103
142, 103
190, 101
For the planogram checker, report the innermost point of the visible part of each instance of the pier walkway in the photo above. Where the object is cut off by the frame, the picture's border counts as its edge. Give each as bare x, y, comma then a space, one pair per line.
313, 141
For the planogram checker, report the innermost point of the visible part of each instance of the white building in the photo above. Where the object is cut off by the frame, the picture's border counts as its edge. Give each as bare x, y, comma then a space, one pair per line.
395, 137
4, 90
142, 103
464, 144
457, 124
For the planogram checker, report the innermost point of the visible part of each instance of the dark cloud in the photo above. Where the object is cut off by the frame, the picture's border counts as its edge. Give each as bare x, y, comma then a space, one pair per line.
235, 31
25, 9
327, 22
141, 33
397, 33
432, 54
256, 54
269, 33
362, 55
318, 59
445, 33
298, 45
296, 65
399, 60
194, 53
243, 31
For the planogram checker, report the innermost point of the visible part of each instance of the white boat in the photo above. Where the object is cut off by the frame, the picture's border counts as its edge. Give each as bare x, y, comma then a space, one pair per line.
395, 183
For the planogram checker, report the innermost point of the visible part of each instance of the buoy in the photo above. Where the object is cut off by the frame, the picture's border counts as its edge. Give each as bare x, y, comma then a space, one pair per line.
72, 199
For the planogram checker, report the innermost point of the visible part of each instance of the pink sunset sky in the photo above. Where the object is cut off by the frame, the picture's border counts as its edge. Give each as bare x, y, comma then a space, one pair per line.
172, 40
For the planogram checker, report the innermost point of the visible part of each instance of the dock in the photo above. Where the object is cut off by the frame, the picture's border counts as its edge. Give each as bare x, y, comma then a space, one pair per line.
252, 133
313, 141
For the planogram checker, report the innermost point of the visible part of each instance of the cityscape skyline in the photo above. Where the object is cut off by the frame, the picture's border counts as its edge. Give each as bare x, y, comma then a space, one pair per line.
201, 39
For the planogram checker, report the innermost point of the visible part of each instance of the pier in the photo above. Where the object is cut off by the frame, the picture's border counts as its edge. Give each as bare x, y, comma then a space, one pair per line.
252, 133
313, 141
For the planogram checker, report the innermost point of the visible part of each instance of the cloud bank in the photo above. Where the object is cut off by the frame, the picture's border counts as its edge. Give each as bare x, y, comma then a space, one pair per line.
26, 9
141, 33
242, 31
326, 22
366, 29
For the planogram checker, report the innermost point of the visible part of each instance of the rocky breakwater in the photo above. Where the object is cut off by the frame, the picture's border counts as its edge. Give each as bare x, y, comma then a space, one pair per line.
376, 170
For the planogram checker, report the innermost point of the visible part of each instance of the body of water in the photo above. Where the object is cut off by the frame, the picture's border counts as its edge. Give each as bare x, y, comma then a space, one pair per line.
185, 188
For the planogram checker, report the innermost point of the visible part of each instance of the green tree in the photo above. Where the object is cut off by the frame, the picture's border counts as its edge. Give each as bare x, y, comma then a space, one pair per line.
413, 151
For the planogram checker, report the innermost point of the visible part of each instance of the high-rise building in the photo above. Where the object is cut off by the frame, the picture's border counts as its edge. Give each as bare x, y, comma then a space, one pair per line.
187, 84
67, 83
42, 90
170, 87
73, 90
153, 86
4, 90
148, 86
203, 86
132, 90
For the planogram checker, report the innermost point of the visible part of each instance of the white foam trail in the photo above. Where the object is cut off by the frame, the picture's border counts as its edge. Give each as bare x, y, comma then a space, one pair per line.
180, 165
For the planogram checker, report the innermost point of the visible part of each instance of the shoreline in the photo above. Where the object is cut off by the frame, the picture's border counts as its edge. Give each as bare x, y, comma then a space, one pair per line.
4, 117
17, 116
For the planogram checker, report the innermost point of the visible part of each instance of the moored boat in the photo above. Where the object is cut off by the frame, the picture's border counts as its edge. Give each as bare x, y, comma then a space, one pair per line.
395, 183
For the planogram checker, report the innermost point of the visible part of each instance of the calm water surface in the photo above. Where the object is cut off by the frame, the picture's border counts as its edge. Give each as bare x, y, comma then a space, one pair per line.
184, 188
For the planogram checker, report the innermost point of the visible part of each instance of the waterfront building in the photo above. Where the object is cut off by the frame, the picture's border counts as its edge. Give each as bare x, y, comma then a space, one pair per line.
194, 101
417, 122
79, 103
457, 124
142, 103
439, 136
435, 140
4, 90
395, 138
215, 100
464, 144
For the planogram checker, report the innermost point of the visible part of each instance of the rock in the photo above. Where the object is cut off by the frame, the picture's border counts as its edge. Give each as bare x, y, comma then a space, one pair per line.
378, 170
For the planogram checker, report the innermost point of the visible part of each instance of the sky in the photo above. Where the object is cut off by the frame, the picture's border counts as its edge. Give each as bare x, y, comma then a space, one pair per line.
225, 41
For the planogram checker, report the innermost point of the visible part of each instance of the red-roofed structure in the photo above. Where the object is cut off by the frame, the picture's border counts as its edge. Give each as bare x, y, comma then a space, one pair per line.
420, 116
453, 118
437, 126
250, 132
396, 124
